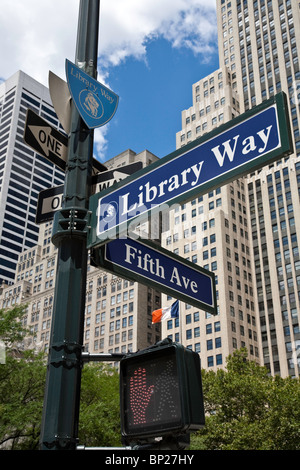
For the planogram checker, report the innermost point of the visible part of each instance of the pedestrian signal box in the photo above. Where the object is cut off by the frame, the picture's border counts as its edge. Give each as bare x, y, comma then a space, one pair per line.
160, 392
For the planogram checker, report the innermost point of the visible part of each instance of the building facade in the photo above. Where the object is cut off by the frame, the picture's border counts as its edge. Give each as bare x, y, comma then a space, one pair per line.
23, 173
212, 230
259, 42
259, 46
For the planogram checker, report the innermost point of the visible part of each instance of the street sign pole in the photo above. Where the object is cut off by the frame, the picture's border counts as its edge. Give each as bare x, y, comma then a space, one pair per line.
61, 402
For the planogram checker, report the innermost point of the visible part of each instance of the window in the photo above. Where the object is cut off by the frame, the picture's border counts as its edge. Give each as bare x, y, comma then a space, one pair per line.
219, 359
188, 334
210, 361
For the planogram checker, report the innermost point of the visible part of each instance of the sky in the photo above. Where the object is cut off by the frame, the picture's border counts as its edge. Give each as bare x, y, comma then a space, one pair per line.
150, 54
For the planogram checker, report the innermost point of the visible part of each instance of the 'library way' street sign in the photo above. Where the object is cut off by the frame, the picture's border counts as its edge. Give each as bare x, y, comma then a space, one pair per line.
248, 142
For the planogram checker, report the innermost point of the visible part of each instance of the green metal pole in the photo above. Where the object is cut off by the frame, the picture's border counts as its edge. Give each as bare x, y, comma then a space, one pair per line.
59, 429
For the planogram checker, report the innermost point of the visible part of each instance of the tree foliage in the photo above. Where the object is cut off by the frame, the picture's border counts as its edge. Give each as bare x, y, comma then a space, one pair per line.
21, 399
247, 409
11, 328
22, 385
99, 421
22, 378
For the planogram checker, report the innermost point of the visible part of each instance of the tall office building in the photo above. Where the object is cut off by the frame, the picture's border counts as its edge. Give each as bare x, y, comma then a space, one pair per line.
259, 41
23, 173
259, 46
212, 231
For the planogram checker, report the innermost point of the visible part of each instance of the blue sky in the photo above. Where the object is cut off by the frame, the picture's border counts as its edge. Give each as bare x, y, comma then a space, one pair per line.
150, 54
152, 96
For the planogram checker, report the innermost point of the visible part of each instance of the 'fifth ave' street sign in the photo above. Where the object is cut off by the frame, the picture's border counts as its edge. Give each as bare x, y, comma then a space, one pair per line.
248, 142
152, 265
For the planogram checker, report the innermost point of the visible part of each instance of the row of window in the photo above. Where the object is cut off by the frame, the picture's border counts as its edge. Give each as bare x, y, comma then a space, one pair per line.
113, 339
190, 318
99, 346
211, 360
202, 128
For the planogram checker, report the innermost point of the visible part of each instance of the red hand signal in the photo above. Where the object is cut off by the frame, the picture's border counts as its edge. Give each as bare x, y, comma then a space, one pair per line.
139, 395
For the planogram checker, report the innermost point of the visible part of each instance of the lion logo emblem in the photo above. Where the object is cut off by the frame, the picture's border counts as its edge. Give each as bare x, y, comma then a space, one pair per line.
91, 104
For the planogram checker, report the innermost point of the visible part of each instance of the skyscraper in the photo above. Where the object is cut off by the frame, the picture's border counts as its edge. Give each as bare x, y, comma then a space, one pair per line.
212, 231
23, 173
257, 264
259, 42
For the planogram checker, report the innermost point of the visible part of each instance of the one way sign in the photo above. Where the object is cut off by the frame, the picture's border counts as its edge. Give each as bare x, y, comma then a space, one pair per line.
45, 139
49, 142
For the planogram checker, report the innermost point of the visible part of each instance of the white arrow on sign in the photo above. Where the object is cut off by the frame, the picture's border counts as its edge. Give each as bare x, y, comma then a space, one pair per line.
117, 176
48, 142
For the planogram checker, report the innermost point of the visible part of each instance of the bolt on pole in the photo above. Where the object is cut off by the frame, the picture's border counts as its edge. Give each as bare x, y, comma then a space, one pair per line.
59, 429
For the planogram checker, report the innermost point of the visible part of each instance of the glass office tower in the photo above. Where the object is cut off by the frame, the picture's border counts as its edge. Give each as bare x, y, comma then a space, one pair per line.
23, 173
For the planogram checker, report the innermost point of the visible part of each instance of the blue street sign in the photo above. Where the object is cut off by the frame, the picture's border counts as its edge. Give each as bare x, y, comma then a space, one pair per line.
95, 103
245, 144
152, 265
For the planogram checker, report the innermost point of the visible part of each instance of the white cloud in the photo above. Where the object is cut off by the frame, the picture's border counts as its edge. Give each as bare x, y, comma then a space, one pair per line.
100, 143
37, 36
127, 26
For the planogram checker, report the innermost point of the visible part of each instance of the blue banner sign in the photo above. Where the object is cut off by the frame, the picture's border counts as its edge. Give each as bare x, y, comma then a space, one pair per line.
149, 264
95, 103
248, 142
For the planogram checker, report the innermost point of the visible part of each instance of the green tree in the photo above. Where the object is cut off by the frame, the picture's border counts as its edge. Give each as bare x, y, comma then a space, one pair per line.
22, 377
21, 400
246, 408
99, 421
249, 410
11, 327
22, 385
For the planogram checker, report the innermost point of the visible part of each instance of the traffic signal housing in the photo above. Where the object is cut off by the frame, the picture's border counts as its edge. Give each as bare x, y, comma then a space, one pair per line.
160, 392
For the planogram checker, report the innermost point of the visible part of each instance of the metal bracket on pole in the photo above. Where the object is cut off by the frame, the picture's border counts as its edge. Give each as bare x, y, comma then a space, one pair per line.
67, 354
102, 357
77, 162
69, 223
62, 443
